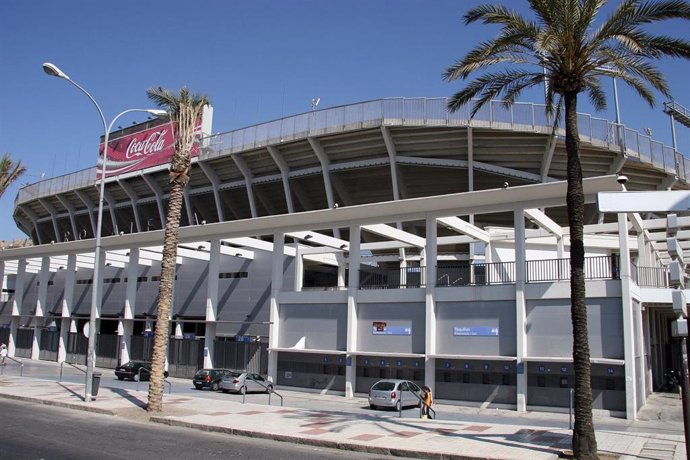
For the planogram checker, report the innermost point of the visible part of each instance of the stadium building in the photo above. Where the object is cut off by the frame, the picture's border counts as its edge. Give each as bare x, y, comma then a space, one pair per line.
382, 239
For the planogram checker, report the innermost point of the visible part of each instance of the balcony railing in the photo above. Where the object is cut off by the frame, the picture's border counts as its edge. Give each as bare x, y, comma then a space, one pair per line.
381, 278
651, 276
596, 267
476, 274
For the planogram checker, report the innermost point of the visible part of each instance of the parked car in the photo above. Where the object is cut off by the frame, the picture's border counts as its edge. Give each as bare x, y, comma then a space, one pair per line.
134, 369
394, 393
209, 378
244, 382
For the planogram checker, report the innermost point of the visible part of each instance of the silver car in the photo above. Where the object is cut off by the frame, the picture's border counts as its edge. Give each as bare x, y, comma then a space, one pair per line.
394, 393
244, 382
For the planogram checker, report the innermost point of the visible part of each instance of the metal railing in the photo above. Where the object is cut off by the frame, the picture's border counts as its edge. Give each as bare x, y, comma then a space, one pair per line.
651, 276
269, 391
521, 116
62, 364
394, 278
596, 267
9, 358
476, 274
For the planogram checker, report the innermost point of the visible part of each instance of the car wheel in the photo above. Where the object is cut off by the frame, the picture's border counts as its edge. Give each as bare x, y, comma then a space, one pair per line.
372, 407
198, 387
135, 378
269, 388
214, 386
243, 390
226, 391
398, 406
165, 374
120, 377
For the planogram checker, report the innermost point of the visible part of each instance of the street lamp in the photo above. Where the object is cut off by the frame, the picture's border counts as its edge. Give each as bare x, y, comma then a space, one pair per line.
54, 71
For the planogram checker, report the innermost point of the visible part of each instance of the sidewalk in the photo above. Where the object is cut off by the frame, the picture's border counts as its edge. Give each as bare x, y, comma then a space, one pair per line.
374, 432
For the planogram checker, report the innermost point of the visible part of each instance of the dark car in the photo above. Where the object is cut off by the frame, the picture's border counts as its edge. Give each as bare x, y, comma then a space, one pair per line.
134, 370
209, 378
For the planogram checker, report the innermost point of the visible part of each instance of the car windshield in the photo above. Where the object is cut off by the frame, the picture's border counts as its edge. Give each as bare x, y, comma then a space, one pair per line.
203, 372
232, 374
384, 386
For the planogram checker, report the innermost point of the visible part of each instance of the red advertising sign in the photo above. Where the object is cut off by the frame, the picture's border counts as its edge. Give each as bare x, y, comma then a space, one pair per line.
150, 147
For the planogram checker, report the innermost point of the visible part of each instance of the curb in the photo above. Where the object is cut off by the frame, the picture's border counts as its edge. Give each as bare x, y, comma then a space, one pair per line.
394, 452
64, 405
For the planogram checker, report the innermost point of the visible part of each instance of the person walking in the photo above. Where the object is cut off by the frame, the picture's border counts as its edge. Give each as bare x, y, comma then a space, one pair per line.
427, 400
3, 354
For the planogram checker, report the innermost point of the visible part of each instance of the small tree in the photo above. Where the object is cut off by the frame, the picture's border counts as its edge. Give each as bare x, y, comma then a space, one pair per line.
562, 47
185, 110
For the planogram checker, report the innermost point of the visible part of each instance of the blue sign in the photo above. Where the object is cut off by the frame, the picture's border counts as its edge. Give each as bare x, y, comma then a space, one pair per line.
243, 338
446, 365
466, 365
520, 368
609, 370
383, 362
485, 366
416, 364
348, 361
542, 368
476, 331
564, 369
148, 333
381, 328
189, 336
340, 359
366, 361
506, 367
325, 359
398, 363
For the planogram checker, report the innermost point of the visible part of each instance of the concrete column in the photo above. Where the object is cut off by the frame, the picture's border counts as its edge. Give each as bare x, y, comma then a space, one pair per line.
431, 253
126, 327
628, 320
520, 308
276, 287
299, 268
352, 290
39, 313
17, 301
211, 302
67, 306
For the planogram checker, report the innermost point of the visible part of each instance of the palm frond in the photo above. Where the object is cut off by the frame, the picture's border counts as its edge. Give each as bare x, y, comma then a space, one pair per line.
596, 94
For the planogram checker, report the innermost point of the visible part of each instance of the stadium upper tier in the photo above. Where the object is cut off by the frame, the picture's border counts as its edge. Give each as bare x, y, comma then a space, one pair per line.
367, 152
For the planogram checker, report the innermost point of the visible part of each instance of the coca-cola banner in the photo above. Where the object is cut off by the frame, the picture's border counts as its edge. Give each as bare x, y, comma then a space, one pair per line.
147, 148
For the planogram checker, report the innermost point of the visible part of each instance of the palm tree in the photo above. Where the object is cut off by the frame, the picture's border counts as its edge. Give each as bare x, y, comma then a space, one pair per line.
563, 48
185, 110
9, 172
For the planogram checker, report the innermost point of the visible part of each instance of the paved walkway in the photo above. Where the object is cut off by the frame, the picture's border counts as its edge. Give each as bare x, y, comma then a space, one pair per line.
377, 432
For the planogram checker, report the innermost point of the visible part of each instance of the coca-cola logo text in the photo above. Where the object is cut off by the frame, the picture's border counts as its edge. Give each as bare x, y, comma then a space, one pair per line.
154, 143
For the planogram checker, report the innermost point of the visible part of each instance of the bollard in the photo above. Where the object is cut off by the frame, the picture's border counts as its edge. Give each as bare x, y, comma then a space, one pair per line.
570, 410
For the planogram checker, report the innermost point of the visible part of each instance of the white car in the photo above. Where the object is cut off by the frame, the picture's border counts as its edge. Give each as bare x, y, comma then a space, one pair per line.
244, 382
394, 393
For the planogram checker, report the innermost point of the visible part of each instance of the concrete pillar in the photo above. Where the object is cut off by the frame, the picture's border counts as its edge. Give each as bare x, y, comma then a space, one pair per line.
276, 287
126, 327
628, 320
67, 306
431, 254
17, 302
299, 268
352, 290
520, 308
211, 302
39, 313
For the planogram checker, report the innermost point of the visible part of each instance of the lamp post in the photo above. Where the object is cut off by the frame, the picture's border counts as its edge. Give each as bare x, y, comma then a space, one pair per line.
53, 70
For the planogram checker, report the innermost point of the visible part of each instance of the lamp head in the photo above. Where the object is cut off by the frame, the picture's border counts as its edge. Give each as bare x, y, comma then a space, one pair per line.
53, 70
157, 112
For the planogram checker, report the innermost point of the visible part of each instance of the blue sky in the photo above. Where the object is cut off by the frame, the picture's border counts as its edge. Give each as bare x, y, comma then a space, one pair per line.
256, 60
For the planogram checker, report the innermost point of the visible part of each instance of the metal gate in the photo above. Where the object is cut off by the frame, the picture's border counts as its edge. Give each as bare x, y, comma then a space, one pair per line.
77, 347
5, 335
185, 356
48, 346
142, 348
252, 357
25, 338
107, 351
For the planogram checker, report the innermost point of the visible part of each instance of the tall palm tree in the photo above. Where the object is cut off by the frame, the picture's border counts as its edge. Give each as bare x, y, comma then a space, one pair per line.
185, 110
564, 47
9, 172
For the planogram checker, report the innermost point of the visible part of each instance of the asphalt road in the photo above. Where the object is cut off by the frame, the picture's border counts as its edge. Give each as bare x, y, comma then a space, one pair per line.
33, 431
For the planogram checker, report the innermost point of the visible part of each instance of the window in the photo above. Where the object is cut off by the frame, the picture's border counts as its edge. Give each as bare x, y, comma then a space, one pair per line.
233, 275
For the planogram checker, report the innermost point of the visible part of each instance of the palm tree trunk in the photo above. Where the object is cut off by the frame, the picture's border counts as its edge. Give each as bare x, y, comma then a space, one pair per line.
165, 291
584, 439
